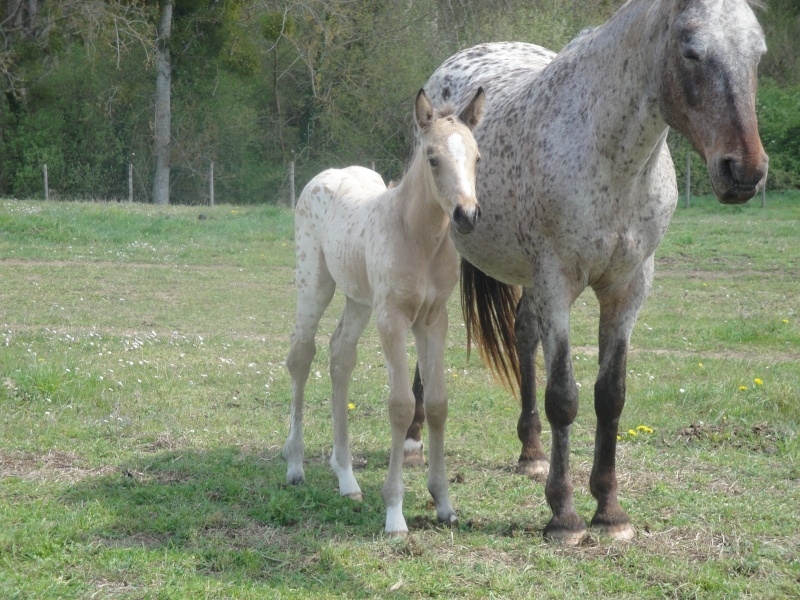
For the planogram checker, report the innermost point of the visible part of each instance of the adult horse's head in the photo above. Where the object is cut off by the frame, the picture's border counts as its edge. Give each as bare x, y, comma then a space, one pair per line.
709, 87
452, 155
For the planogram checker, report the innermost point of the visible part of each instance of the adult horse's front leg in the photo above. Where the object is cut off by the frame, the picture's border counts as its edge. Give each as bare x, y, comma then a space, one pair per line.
618, 312
431, 339
393, 329
561, 406
532, 459
413, 448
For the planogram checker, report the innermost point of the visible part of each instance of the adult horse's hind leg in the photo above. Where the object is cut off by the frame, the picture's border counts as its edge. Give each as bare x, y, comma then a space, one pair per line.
413, 455
344, 352
618, 312
315, 288
532, 460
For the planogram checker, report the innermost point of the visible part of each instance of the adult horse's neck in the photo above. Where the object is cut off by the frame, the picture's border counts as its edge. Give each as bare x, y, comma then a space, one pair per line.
614, 72
422, 215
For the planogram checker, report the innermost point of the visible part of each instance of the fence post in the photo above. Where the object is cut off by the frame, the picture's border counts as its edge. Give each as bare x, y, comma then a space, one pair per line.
688, 178
291, 185
130, 182
46, 186
211, 183
764, 194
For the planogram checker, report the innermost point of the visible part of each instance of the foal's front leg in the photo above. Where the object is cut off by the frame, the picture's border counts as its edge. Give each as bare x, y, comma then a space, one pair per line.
431, 340
393, 329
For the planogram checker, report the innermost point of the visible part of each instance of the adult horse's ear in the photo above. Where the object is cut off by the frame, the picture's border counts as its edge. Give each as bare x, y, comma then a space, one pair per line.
423, 110
473, 114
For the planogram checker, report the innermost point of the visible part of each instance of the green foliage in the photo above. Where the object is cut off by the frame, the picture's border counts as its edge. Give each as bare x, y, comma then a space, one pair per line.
779, 125
259, 84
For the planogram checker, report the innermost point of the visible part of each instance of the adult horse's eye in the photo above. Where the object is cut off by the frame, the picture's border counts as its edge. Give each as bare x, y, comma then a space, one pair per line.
433, 162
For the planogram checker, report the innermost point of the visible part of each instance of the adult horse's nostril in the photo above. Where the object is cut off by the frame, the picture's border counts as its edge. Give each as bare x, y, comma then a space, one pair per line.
477, 214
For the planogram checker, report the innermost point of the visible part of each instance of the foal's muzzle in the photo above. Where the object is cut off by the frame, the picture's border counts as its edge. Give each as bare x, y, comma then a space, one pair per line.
465, 219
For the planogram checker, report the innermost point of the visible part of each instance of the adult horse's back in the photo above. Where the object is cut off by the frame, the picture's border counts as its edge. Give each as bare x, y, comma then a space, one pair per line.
577, 188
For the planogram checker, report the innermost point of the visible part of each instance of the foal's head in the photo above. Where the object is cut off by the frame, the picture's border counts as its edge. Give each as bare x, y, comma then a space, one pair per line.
452, 157
709, 87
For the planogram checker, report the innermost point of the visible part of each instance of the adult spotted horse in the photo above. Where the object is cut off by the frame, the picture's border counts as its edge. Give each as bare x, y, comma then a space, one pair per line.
577, 188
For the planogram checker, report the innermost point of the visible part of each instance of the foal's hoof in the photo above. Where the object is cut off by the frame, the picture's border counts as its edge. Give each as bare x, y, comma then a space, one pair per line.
356, 496
535, 469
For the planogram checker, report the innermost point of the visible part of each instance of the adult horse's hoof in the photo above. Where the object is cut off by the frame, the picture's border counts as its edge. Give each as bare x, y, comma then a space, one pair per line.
621, 532
568, 532
413, 458
535, 469
412, 454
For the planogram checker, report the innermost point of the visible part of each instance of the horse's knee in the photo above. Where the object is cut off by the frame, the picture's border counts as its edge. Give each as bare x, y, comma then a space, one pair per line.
301, 354
401, 410
561, 402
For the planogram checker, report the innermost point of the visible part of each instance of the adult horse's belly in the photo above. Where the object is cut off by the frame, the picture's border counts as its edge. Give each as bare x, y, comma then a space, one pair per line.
493, 249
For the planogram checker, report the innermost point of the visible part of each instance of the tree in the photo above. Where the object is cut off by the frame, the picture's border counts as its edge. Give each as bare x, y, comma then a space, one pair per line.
163, 108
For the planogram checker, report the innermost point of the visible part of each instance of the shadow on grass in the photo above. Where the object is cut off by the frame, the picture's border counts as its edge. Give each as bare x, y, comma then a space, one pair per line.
232, 514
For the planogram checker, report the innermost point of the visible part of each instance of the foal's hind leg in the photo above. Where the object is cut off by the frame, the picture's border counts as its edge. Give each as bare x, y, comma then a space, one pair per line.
343, 360
413, 455
618, 314
532, 460
315, 289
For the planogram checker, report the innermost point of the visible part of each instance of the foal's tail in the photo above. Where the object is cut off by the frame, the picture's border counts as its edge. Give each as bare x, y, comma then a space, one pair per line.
489, 307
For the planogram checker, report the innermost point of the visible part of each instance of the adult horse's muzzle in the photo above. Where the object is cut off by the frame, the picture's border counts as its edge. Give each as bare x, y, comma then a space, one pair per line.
735, 180
465, 219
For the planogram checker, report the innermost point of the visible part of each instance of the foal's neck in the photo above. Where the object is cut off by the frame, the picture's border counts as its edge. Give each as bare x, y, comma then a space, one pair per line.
423, 217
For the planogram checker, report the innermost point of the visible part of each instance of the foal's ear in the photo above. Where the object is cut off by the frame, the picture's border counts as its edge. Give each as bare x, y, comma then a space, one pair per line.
423, 110
473, 114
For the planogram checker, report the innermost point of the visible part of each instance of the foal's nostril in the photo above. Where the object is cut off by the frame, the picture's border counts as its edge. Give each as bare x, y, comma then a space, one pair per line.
459, 216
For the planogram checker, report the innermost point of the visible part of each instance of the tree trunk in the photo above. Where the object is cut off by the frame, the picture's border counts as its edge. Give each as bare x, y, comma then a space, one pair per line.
161, 129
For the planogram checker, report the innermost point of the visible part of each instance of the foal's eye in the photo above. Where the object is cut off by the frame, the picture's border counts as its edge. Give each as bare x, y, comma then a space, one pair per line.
433, 162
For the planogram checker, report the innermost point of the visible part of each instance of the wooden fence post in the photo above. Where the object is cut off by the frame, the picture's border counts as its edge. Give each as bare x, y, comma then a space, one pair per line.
211, 183
46, 186
291, 185
130, 182
688, 178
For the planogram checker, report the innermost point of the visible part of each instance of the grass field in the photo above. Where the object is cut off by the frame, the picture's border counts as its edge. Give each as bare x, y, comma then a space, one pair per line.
144, 404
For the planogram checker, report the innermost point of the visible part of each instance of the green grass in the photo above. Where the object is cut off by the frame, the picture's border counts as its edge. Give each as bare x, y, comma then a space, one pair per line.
144, 404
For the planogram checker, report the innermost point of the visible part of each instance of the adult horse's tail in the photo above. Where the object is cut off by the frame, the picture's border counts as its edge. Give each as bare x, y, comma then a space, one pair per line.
489, 307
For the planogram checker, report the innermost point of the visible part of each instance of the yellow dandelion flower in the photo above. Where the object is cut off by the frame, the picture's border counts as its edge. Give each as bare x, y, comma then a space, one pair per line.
644, 428
742, 388
757, 381
619, 437
700, 365
351, 406
632, 432
455, 374
785, 321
